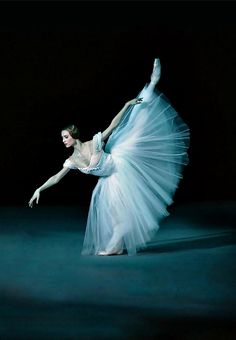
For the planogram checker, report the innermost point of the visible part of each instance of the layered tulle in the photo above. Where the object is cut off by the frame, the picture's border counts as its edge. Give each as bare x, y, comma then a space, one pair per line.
139, 173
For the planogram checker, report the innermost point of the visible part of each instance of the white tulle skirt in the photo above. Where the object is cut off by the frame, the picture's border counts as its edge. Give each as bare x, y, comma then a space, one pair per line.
139, 174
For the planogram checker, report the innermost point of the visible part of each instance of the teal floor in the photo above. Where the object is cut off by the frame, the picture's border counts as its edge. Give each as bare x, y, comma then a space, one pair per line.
181, 287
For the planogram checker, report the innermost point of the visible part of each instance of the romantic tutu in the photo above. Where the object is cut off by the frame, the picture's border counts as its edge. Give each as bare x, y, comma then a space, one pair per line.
139, 169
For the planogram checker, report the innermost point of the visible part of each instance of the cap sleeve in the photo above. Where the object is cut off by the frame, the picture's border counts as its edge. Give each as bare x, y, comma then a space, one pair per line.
69, 164
97, 142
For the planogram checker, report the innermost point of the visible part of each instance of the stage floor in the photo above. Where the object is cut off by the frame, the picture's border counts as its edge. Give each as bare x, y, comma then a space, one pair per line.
181, 287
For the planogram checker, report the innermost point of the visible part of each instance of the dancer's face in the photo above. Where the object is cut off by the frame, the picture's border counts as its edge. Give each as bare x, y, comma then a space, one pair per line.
67, 139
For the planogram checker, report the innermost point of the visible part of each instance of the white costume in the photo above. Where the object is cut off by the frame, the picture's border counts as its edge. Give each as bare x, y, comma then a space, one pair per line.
139, 169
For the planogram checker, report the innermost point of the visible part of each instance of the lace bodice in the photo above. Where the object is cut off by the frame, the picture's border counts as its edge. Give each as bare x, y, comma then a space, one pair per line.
101, 163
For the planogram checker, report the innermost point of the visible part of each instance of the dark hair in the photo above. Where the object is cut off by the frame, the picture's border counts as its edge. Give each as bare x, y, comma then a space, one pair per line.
73, 131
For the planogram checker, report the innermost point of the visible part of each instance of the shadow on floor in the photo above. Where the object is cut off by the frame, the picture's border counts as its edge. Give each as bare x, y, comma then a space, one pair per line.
200, 242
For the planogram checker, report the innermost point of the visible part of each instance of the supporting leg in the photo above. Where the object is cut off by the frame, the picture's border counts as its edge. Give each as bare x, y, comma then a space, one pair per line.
116, 244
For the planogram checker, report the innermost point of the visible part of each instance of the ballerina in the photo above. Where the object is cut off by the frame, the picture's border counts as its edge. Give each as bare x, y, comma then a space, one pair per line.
138, 168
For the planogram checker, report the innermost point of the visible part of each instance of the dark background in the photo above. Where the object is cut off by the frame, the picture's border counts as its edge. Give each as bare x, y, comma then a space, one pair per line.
79, 62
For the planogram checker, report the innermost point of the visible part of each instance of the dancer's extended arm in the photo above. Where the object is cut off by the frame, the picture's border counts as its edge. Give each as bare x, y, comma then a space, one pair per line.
117, 118
51, 181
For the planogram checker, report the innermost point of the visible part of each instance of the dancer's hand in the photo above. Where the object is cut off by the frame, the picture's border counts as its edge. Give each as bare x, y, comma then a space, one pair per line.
135, 101
35, 196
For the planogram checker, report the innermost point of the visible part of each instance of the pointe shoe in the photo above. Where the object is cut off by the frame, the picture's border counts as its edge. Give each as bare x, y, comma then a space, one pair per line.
108, 253
156, 73
156, 62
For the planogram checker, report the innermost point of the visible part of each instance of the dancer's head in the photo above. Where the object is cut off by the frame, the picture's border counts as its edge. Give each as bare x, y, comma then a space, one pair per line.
69, 135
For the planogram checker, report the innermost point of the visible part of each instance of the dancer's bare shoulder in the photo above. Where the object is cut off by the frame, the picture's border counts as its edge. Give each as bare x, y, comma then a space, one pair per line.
88, 146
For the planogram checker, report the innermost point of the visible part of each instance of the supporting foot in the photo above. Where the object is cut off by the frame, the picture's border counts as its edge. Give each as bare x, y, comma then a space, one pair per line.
108, 253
